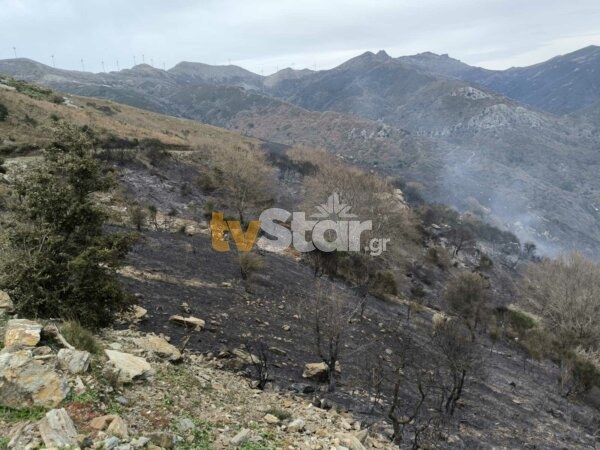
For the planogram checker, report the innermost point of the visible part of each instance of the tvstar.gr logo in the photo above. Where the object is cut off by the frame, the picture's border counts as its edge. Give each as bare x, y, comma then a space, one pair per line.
331, 228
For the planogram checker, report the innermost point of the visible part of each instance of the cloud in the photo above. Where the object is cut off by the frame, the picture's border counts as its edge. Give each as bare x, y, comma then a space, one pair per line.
264, 35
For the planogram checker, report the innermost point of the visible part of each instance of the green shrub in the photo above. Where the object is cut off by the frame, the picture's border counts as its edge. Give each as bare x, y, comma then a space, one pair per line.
520, 322
57, 262
384, 284
3, 112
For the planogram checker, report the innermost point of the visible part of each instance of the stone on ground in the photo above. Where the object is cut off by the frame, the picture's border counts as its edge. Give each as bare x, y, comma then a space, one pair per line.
159, 347
57, 429
75, 361
241, 438
128, 367
192, 322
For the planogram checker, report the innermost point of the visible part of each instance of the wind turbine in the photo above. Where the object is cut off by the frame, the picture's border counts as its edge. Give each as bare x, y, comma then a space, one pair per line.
134, 62
103, 66
15, 50
53, 64
82, 66
143, 59
118, 65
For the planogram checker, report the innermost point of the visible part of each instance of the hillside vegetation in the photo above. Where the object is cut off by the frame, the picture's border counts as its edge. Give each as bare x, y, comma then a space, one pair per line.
457, 336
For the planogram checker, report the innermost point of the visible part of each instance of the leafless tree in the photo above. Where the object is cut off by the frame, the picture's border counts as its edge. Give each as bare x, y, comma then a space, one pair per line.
329, 318
565, 293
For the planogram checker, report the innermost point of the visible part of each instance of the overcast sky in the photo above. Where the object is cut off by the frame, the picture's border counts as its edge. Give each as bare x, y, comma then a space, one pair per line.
266, 35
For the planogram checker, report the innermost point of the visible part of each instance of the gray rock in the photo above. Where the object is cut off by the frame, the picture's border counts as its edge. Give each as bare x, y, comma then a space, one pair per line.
129, 368
139, 443
57, 429
75, 361
296, 425
110, 443
241, 438
184, 425
6, 304
25, 381
162, 439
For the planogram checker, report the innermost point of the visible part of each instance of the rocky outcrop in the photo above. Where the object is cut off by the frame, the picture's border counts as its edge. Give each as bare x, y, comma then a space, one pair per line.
27, 381
23, 333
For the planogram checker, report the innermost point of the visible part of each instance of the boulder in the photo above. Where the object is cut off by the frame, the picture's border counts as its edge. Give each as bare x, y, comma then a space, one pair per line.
118, 427
22, 333
75, 361
101, 423
318, 371
191, 322
163, 439
296, 425
349, 441
57, 429
6, 304
128, 368
25, 381
241, 438
159, 347
271, 419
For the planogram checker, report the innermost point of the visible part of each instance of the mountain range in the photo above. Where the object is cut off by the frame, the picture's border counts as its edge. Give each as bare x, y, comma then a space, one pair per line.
519, 146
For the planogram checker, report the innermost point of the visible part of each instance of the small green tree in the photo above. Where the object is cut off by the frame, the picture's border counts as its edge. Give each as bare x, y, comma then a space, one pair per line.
57, 260
468, 297
3, 112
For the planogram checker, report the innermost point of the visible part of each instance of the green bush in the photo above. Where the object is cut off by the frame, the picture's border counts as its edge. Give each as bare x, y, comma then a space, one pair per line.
520, 322
3, 112
384, 284
57, 261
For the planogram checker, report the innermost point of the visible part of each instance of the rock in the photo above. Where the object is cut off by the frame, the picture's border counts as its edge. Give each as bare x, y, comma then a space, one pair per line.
25, 381
286, 328
185, 425
110, 443
349, 441
57, 429
318, 371
296, 425
302, 388
139, 313
75, 361
118, 427
102, 422
191, 322
23, 435
241, 438
271, 419
162, 439
22, 332
6, 304
159, 347
128, 367
139, 443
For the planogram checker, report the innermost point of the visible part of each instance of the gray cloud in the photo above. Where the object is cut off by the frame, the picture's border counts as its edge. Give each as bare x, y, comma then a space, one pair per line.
263, 35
